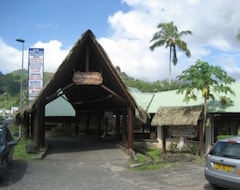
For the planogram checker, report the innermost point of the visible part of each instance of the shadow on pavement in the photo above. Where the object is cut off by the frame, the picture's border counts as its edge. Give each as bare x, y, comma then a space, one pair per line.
13, 173
77, 143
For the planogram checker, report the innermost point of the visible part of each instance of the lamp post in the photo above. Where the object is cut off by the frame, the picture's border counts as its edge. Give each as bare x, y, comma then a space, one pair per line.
21, 84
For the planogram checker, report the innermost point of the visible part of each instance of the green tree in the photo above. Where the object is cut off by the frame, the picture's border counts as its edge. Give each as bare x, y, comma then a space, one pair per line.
238, 35
169, 36
209, 80
6, 95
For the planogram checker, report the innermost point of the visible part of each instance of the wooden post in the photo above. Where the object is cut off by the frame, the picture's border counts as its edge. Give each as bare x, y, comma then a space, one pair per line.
201, 138
42, 126
26, 125
130, 128
32, 125
88, 123
99, 126
36, 128
124, 130
117, 126
77, 117
164, 139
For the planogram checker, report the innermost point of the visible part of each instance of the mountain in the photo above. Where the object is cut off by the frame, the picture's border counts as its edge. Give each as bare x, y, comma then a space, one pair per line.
10, 85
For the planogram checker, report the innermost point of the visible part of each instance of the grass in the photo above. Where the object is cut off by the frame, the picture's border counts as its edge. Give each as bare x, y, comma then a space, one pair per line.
143, 155
155, 154
20, 152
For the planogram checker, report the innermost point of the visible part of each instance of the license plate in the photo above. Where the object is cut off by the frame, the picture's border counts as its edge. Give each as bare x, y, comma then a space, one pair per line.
223, 167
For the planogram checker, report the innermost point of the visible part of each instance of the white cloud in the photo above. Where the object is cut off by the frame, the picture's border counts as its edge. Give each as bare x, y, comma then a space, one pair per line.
11, 58
53, 54
214, 26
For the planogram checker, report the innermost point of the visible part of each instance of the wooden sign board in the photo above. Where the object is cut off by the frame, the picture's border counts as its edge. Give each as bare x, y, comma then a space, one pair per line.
183, 131
83, 78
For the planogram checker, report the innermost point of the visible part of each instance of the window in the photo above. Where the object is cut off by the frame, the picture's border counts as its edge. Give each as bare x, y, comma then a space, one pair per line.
226, 149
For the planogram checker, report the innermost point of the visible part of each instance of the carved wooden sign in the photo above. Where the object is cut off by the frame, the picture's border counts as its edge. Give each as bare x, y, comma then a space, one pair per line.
83, 78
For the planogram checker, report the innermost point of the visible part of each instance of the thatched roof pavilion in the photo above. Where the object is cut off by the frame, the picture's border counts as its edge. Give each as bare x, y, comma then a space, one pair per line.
89, 82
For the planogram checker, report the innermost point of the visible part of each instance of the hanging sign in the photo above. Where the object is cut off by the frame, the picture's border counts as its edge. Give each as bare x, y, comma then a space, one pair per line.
90, 78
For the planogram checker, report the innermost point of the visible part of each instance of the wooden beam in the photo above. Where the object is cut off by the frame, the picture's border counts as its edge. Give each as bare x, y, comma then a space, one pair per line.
112, 92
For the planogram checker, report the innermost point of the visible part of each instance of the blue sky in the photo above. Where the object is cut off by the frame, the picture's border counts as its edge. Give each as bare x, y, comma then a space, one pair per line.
124, 29
47, 20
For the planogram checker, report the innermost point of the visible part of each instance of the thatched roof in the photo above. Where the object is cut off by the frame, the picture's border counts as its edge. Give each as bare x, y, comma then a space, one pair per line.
172, 116
87, 55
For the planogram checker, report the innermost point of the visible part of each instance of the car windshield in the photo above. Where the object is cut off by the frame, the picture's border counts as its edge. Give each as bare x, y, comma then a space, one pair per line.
226, 149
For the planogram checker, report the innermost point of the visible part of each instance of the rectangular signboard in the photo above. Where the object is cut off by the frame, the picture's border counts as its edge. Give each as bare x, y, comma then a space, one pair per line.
35, 71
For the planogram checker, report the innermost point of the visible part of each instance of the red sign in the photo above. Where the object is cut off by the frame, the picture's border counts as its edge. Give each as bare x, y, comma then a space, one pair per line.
91, 78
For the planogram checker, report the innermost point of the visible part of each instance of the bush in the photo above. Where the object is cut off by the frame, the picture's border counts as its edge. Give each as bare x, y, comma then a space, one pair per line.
223, 136
173, 148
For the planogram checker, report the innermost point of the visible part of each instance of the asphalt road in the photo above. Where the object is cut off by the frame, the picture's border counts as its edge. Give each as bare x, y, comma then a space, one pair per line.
82, 164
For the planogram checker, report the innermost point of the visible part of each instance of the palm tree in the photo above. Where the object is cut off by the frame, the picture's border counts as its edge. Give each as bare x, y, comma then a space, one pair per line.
168, 35
238, 35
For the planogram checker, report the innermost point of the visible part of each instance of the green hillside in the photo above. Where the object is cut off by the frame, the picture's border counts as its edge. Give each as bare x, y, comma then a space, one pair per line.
10, 86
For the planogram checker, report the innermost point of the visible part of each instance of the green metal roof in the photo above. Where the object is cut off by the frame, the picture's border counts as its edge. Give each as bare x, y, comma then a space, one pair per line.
59, 107
152, 101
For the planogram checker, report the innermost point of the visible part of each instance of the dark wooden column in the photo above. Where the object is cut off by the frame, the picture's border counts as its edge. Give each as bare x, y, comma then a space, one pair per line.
26, 125
88, 123
130, 128
77, 118
117, 126
124, 130
99, 127
38, 122
32, 125
42, 127
36, 130
164, 131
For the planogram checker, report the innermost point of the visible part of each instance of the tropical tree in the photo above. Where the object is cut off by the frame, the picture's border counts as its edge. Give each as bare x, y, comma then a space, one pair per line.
6, 95
238, 35
169, 36
210, 81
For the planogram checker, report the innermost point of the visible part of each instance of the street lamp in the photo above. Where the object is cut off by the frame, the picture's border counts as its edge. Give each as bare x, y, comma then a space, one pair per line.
21, 83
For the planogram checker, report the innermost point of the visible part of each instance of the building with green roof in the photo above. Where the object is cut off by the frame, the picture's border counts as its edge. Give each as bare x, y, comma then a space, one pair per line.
223, 119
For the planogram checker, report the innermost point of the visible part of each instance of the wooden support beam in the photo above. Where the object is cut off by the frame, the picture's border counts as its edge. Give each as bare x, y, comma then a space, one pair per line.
130, 128
112, 92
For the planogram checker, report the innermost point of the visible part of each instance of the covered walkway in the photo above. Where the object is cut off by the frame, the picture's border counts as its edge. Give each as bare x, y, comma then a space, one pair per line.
88, 81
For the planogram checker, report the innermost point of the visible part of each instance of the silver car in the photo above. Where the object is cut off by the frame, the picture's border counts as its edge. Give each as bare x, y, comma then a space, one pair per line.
223, 163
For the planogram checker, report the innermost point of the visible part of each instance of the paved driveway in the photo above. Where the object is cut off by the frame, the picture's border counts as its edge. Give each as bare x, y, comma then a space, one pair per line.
82, 164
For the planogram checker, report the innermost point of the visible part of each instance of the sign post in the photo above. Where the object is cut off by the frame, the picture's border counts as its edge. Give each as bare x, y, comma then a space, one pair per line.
35, 71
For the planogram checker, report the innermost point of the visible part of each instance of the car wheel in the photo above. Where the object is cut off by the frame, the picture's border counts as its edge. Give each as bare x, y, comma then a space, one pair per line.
9, 161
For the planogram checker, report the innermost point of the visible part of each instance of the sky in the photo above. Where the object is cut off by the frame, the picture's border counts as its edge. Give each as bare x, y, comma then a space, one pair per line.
124, 28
